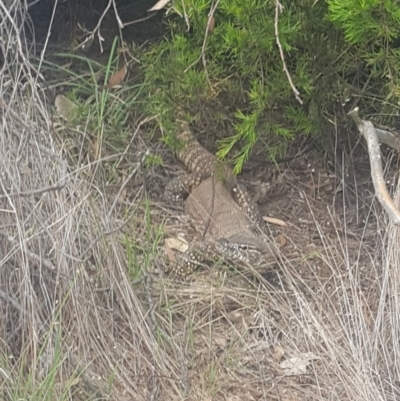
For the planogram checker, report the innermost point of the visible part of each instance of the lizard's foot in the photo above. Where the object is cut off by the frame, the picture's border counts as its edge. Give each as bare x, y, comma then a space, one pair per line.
188, 262
202, 255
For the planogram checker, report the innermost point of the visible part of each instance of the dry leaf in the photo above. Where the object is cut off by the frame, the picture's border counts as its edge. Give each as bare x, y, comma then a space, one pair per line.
117, 78
159, 5
211, 25
277, 353
298, 364
282, 240
272, 220
178, 244
170, 254
240, 317
65, 107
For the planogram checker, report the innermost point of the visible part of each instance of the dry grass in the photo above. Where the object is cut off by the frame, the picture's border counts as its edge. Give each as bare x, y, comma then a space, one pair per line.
237, 332
84, 314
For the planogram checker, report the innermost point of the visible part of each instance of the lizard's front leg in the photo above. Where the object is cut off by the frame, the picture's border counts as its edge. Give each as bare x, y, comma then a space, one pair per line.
178, 189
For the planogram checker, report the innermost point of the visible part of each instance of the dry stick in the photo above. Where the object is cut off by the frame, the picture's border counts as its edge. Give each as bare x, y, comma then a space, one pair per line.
43, 52
279, 9
57, 186
207, 226
144, 121
155, 386
136, 21
367, 130
203, 47
134, 171
45, 262
97, 28
12, 302
185, 16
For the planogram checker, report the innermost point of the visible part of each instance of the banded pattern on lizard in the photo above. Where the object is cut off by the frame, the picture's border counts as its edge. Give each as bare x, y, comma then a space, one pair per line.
220, 209
224, 228
202, 164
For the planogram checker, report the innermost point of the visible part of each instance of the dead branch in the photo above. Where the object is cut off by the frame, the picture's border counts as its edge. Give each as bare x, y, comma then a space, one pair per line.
368, 131
202, 56
278, 10
125, 183
388, 138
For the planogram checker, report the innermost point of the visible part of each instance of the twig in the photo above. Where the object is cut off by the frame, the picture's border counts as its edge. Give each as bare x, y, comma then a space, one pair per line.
211, 212
97, 28
279, 9
134, 171
155, 382
43, 52
203, 47
117, 17
185, 16
57, 186
38, 258
11, 301
368, 131
136, 21
144, 121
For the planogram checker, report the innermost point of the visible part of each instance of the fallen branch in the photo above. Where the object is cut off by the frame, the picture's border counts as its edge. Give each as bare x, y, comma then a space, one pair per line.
373, 137
278, 10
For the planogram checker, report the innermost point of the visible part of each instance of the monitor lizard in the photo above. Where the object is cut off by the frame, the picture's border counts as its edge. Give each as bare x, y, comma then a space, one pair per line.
218, 206
202, 164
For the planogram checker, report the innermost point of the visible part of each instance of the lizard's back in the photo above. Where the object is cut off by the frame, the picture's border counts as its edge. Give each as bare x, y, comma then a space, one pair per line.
216, 215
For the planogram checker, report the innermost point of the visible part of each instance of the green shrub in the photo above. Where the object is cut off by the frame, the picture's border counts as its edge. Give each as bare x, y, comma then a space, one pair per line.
334, 51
